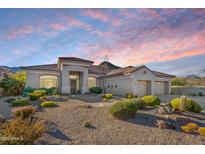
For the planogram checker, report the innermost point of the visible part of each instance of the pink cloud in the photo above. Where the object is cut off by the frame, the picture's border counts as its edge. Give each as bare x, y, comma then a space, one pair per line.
58, 26
20, 31
128, 52
150, 12
73, 22
96, 14
116, 22
126, 13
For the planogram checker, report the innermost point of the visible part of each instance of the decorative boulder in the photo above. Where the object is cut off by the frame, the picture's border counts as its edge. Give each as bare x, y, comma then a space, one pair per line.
164, 125
165, 110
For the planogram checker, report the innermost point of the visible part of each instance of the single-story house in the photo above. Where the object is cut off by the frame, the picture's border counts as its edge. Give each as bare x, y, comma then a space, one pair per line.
75, 75
4, 72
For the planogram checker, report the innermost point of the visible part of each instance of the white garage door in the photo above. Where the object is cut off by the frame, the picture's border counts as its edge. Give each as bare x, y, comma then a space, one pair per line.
142, 88
159, 88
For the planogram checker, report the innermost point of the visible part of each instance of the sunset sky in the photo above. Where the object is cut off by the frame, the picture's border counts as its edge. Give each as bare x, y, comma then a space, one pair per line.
168, 40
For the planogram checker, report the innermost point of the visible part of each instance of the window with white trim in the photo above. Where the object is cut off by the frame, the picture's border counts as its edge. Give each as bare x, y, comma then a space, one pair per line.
48, 81
92, 82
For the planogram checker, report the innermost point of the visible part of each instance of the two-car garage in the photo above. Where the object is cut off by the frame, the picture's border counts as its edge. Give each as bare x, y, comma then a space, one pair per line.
145, 87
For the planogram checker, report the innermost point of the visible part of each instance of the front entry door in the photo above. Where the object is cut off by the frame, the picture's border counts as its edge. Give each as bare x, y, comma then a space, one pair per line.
73, 86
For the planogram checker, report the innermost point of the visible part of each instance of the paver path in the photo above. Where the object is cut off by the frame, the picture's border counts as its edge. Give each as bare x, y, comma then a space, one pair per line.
5, 109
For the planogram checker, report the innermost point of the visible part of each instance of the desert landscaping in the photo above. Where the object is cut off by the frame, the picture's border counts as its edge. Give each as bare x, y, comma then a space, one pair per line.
86, 119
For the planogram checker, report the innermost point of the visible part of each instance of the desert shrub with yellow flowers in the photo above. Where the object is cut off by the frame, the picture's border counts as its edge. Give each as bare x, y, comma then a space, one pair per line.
193, 128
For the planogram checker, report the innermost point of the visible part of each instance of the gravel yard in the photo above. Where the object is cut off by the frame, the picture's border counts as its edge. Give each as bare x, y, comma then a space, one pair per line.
66, 126
66, 123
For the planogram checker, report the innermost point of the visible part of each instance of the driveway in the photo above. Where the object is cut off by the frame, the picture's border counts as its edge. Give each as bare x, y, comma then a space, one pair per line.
5, 109
198, 99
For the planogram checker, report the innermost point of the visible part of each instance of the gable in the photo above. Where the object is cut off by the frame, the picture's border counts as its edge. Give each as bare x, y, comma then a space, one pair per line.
144, 73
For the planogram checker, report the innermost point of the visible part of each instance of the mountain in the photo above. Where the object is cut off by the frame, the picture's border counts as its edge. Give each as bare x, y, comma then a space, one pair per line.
192, 76
13, 69
108, 65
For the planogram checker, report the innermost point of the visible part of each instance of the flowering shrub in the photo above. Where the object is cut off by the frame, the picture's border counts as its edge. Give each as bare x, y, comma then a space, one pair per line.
107, 96
201, 131
34, 96
186, 129
185, 104
151, 100
193, 126
48, 104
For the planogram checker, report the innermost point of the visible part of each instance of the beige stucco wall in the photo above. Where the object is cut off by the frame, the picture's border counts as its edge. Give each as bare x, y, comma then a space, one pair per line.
124, 85
177, 90
65, 77
119, 85
33, 78
141, 76
131, 83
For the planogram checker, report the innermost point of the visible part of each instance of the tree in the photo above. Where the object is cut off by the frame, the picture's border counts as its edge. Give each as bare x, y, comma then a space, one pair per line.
179, 82
20, 76
13, 85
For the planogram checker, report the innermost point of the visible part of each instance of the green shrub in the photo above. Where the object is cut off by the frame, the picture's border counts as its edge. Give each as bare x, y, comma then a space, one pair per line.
21, 131
40, 92
139, 102
43, 91
34, 96
52, 91
24, 112
96, 90
179, 82
185, 104
123, 109
129, 96
11, 87
10, 100
200, 93
151, 100
48, 104
20, 102
27, 91
107, 96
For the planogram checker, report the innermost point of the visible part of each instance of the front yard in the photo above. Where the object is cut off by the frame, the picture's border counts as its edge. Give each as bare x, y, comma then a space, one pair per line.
86, 120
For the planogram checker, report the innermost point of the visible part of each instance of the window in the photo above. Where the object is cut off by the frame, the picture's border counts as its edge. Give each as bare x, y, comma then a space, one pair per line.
108, 86
115, 86
48, 81
74, 77
92, 82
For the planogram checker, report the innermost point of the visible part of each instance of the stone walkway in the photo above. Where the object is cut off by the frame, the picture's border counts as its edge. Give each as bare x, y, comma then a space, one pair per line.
5, 109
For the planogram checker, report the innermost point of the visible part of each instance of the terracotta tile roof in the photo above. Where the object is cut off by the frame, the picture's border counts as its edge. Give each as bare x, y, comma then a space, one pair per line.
47, 67
162, 74
75, 59
131, 69
95, 69
123, 71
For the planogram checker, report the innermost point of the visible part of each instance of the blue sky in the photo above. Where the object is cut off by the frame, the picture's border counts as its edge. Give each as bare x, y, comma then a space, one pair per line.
168, 40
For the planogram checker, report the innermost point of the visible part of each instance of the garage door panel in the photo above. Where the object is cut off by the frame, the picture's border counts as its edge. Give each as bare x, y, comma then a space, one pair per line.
159, 88
142, 88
